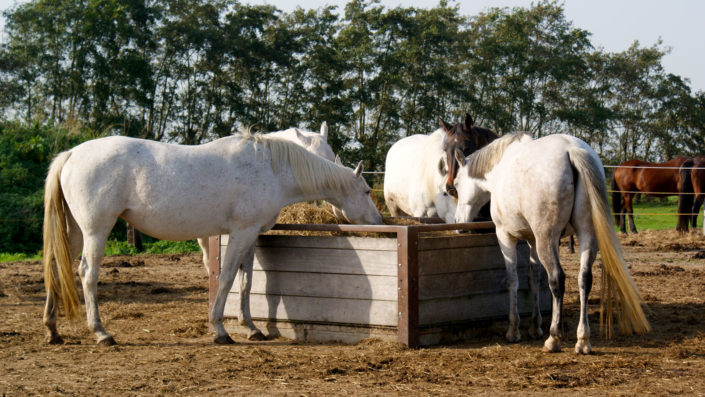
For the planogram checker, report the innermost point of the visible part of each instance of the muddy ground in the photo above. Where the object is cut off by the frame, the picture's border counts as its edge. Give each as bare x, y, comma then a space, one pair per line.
156, 308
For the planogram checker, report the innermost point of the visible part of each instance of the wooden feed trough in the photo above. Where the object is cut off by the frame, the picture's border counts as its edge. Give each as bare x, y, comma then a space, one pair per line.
416, 287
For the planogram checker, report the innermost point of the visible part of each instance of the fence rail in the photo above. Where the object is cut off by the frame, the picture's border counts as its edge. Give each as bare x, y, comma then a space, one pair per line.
620, 191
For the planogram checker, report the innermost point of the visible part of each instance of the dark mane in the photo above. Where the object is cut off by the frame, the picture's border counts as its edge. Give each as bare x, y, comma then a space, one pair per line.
465, 137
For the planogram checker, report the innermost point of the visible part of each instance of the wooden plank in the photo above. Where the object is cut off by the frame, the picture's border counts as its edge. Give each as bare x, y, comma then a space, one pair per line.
322, 310
312, 332
317, 260
484, 281
430, 242
456, 260
408, 287
347, 286
339, 242
213, 268
476, 307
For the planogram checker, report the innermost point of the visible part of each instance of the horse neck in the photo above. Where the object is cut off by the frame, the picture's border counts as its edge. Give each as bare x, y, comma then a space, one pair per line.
485, 160
304, 176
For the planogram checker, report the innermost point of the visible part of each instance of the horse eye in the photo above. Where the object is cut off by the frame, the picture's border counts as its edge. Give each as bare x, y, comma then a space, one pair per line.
368, 191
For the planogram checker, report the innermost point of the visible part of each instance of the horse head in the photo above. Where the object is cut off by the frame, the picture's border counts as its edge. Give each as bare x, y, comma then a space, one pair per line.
469, 191
466, 138
355, 204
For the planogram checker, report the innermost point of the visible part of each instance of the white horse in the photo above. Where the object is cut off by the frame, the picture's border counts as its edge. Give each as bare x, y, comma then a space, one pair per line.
316, 143
412, 181
235, 185
538, 188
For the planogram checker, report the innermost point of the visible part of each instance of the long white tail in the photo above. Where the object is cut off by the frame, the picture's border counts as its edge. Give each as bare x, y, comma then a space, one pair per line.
619, 293
58, 279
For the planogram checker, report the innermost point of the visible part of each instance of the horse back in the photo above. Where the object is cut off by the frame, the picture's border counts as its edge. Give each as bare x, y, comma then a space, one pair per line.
148, 182
653, 179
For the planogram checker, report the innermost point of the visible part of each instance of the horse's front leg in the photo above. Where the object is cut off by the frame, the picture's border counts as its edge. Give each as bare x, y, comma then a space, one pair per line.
239, 245
508, 246
534, 267
245, 281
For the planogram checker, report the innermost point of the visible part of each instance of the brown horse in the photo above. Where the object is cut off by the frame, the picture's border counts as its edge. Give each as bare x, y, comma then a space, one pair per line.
465, 137
692, 192
651, 179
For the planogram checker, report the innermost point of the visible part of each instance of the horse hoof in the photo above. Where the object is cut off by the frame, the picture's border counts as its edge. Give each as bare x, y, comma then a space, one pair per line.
55, 340
107, 341
513, 336
583, 347
224, 340
257, 336
552, 345
535, 332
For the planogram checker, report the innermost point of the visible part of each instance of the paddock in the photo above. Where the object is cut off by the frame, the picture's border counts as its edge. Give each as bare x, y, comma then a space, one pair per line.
416, 285
157, 307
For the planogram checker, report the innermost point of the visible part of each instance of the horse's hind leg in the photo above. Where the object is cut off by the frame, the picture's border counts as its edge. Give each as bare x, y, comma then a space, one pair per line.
507, 244
203, 243
245, 282
50, 308
697, 203
50, 314
88, 269
547, 250
534, 265
588, 251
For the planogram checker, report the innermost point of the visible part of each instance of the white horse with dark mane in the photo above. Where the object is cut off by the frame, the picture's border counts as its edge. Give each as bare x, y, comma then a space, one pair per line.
316, 143
539, 188
235, 185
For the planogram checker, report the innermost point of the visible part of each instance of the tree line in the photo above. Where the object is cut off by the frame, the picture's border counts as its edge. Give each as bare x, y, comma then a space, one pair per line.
192, 71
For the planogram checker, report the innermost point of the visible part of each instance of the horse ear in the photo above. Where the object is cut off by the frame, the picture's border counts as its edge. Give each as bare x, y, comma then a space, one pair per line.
324, 130
446, 127
442, 166
469, 122
299, 135
337, 160
358, 169
459, 157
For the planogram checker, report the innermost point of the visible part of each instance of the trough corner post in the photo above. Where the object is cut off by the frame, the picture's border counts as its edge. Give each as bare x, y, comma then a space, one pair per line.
213, 269
408, 286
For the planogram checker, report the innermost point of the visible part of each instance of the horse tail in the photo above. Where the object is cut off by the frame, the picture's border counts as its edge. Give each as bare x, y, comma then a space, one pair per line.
619, 293
616, 198
686, 196
58, 277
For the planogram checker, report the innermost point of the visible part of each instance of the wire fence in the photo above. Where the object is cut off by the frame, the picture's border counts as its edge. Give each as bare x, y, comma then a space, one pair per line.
382, 173
650, 193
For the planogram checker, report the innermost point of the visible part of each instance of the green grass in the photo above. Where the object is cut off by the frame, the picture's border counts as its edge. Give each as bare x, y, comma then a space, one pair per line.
7, 257
646, 219
115, 247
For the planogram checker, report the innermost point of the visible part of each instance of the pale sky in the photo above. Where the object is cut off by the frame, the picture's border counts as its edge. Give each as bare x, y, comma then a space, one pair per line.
614, 24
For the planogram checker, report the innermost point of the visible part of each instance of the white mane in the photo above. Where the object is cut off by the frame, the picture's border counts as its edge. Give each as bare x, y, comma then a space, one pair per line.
312, 173
482, 161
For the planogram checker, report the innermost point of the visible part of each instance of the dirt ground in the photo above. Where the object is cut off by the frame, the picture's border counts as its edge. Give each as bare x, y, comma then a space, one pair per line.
156, 308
